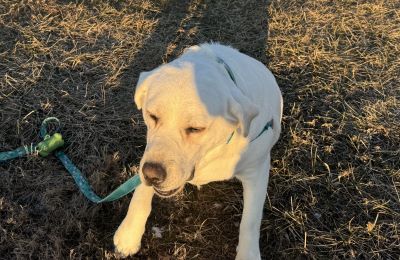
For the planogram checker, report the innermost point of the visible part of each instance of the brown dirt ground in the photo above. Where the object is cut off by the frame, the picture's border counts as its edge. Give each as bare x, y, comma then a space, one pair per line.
335, 181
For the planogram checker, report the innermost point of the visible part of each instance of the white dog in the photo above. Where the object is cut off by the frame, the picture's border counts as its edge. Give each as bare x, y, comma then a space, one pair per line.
212, 114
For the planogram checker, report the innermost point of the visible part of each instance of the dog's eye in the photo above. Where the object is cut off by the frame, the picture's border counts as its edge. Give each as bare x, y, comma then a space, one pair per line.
154, 118
194, 130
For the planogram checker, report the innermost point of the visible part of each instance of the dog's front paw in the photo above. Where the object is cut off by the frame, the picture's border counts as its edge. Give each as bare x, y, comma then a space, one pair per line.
125, 241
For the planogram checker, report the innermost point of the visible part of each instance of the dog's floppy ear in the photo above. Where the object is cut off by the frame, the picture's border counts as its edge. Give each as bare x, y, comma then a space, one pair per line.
141, 89
242, 111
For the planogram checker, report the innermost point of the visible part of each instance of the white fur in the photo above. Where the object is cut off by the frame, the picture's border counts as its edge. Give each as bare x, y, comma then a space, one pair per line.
196, 90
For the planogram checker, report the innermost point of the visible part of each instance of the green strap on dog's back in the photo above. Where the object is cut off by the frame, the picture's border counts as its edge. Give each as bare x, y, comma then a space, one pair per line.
232, 76
227, 68
51, 143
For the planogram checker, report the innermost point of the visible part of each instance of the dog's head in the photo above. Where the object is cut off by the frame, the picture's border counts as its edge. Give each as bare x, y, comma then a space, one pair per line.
189, 109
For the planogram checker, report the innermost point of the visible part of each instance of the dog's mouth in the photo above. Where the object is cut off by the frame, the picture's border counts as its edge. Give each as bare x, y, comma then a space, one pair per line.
170, 193
167, 194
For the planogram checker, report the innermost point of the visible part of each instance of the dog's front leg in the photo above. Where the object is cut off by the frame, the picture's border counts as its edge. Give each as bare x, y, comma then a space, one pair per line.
129, 234
254, 193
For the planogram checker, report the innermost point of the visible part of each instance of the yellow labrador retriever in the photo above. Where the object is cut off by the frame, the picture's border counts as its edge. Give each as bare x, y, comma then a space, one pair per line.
212, 114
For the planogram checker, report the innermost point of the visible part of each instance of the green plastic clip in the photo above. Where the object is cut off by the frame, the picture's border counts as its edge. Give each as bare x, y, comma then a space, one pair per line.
49, 144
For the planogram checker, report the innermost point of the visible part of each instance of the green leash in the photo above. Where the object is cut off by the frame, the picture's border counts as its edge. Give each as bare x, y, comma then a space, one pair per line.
51, 143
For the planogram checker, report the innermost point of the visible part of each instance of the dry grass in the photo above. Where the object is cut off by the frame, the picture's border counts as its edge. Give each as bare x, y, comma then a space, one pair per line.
335, 182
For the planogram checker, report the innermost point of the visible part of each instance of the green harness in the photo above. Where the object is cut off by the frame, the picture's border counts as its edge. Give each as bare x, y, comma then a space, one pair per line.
231, 75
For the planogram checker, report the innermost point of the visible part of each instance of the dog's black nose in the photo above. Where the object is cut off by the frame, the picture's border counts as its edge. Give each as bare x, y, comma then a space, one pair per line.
154, 173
